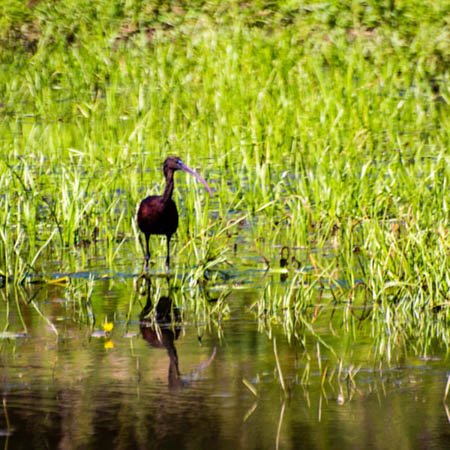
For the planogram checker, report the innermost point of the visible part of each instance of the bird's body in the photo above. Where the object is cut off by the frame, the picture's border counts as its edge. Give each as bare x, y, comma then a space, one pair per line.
158, 214
157, 217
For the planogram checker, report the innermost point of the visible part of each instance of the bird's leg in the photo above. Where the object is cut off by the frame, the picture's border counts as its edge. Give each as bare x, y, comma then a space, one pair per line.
147, 252
148, 305
168, 253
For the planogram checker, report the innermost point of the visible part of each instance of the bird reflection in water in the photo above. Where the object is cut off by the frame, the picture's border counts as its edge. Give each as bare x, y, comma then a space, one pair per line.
161, 329
162, 333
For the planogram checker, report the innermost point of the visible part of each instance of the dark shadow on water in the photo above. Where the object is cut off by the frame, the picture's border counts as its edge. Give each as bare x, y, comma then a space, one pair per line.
287, 262
284, 262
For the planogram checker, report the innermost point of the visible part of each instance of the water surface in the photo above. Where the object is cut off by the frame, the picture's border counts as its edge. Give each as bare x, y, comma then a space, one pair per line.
82, 368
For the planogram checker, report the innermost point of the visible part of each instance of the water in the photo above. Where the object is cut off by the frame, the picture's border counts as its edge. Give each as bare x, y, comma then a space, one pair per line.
81, 368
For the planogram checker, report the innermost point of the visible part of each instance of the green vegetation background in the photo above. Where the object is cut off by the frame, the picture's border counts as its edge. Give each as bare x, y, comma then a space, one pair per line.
318, 124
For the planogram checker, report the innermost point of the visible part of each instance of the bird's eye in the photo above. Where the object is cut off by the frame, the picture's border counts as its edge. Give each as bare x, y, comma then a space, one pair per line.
179, 162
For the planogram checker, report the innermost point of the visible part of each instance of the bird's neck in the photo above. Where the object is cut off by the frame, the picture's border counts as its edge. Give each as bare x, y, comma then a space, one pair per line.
167, 195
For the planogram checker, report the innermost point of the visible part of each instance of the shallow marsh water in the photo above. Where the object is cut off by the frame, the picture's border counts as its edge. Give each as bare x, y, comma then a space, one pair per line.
81, 369
321, 128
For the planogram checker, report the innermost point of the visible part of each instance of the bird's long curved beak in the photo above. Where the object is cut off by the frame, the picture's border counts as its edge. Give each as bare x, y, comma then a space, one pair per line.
199, 178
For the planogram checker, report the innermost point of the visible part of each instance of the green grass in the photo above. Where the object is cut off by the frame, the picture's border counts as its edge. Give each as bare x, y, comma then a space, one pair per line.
322, 127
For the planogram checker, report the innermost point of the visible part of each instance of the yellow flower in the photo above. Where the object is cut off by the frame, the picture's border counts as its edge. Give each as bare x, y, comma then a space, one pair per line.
107, 326
109, 344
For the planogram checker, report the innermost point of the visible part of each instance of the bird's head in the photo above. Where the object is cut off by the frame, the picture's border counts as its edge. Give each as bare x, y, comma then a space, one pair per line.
173, 163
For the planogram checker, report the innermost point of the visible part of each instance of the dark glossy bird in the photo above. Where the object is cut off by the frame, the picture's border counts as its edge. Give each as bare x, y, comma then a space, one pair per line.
158, 214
